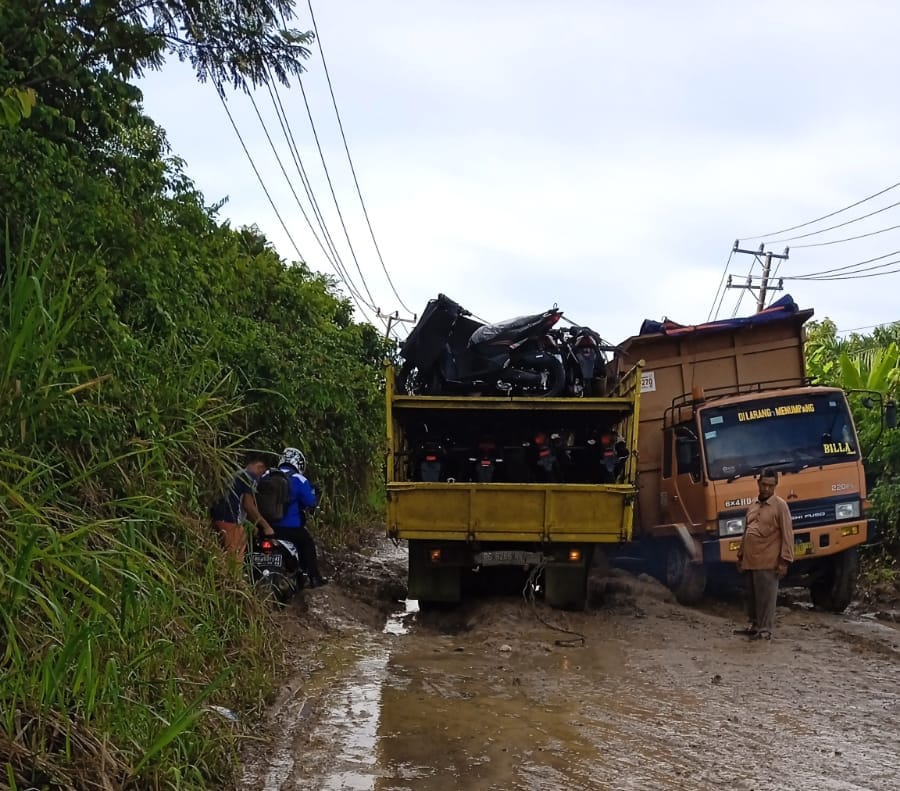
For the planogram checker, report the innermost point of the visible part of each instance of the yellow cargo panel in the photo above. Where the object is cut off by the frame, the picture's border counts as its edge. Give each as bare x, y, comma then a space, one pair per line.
510, 512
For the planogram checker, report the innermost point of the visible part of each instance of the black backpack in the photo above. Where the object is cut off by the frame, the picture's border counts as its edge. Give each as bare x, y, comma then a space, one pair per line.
273, 494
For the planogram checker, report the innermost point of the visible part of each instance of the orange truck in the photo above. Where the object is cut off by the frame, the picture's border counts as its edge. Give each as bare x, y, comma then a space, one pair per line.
720, 402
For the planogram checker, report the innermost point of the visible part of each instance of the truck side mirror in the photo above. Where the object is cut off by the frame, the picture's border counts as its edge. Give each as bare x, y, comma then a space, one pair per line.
687, 457
890, 414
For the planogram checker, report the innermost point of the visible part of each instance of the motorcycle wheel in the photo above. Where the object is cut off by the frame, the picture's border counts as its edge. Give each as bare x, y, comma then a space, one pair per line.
412, 381
556, 377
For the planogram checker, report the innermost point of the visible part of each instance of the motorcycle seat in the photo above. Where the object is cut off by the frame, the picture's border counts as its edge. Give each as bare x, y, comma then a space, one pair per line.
512, 327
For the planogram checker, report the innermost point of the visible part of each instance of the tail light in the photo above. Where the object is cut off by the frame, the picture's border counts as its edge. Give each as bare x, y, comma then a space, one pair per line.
431, 458
267, 545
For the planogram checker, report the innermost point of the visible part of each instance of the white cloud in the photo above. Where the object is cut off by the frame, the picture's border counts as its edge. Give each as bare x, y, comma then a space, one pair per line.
601, 155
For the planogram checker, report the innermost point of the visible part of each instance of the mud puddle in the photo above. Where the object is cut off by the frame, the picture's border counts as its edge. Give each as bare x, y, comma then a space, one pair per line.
660, 696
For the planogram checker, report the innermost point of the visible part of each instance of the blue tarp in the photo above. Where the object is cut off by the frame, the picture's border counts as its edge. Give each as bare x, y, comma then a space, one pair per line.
778, 311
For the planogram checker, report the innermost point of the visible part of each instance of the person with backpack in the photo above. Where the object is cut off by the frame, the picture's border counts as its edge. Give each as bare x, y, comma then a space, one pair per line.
284, 495
237, 504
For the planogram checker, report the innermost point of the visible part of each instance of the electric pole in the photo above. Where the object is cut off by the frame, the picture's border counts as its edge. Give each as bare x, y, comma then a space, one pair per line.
760, 289
392, 319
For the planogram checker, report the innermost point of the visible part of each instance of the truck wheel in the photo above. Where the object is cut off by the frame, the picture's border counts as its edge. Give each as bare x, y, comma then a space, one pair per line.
687, 580
834, 590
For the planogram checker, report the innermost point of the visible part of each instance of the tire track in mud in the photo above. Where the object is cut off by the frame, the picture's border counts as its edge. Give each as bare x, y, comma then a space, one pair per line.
661, 697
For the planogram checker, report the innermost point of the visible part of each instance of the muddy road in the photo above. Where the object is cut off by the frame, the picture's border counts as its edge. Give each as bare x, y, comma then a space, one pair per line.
492, 695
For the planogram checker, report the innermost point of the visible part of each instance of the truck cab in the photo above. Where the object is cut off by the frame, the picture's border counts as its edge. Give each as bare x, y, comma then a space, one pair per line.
720, 402
713, 449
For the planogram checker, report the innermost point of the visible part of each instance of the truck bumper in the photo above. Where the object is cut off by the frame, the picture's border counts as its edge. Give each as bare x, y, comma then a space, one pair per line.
811, 542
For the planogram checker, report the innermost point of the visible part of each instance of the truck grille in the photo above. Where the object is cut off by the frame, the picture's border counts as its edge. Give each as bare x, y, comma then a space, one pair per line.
812, 514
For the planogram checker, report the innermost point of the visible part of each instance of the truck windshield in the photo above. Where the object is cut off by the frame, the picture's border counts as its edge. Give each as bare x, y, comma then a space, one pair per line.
787, 433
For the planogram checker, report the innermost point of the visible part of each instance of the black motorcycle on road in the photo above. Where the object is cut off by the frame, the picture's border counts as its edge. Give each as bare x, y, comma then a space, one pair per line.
449, 352
273, 566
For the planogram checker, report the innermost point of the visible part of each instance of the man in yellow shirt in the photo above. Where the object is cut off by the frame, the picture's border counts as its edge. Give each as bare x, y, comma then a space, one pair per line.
766, 550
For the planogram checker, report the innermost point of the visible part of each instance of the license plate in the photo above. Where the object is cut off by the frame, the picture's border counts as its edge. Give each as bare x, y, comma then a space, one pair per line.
262, 559
503, 557
803, 548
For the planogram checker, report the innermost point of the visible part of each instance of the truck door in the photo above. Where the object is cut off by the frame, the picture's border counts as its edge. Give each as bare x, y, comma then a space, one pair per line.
689, 493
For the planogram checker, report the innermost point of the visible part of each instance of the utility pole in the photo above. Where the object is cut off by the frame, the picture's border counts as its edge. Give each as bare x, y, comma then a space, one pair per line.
765, 285
392, 319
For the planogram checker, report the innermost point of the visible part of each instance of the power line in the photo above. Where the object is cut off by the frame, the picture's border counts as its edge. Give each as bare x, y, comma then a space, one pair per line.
337, 114
807, 275
288, 180
823, 217
740, 299
715, 307
852, 275
839, 225
848, 239
288, 133
335, 262
333, 195
870, 326
266, 191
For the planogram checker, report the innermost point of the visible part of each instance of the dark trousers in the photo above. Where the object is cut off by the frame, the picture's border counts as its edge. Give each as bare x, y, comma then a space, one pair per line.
762, 593
303, 540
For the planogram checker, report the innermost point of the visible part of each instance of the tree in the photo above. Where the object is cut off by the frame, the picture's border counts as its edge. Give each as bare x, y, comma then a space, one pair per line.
16, 104
79, 57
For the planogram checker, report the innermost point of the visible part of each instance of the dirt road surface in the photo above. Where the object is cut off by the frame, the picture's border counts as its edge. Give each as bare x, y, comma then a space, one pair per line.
491, 695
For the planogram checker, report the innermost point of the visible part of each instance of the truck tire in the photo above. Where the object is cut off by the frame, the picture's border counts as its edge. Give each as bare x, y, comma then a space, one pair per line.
834, 590
686, 579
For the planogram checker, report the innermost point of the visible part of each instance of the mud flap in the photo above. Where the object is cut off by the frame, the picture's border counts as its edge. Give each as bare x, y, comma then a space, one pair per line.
430, 582
565, 584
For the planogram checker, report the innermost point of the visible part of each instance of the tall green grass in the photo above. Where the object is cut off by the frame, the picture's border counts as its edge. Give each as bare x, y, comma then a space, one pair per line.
120, 621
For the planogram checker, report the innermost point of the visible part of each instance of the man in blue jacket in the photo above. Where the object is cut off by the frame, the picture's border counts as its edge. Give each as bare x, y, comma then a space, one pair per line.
292, 526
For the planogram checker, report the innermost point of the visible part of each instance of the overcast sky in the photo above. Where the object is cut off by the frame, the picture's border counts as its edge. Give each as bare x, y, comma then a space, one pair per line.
599, 155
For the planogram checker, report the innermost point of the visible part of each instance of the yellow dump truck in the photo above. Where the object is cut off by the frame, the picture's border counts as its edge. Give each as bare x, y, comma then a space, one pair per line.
541, 484
719, 403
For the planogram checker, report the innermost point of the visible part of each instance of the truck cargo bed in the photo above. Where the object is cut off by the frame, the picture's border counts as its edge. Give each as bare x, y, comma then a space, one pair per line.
530, 512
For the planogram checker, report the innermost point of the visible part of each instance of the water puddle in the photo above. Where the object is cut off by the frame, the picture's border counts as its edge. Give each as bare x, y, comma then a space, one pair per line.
396, 622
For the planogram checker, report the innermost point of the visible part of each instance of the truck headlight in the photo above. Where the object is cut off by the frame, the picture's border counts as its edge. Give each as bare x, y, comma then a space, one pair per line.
847, 510
732, 526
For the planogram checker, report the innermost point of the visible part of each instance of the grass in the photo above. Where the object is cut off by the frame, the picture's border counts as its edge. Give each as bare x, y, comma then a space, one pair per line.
121, 623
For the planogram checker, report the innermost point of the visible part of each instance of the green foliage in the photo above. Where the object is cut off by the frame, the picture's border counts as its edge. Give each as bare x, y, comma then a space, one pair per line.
106, 582
16, 104
869, 362
80, 57
142, 343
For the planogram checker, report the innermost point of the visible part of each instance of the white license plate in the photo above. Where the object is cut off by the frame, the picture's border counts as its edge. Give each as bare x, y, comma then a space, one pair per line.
262, 559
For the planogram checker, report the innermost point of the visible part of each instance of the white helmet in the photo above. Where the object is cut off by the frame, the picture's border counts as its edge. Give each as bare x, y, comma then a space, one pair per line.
294, 458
